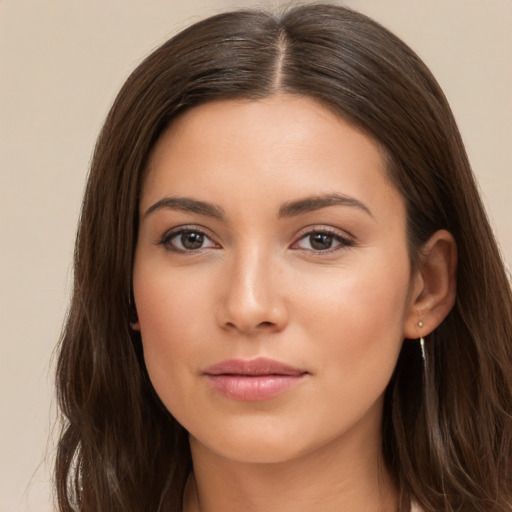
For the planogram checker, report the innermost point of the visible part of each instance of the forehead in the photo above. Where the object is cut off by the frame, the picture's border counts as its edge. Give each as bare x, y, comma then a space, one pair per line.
283, 147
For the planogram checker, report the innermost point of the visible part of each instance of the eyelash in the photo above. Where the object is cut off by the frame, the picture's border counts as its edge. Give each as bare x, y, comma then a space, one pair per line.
342, 241
169, 236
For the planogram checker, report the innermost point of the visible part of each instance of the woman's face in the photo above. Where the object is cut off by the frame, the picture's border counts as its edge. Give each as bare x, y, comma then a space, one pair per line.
271, 278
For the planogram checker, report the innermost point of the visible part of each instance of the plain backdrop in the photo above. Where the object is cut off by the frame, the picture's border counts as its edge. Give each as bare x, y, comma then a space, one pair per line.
61, 63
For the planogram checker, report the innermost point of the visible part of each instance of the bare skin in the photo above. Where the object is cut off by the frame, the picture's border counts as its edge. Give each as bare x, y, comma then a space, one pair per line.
270, 229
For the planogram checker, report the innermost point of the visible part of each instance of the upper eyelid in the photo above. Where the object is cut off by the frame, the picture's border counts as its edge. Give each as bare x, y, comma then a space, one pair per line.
186, 227
319, 228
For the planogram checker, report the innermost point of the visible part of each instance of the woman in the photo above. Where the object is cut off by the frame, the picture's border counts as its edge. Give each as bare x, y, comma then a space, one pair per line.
287, 294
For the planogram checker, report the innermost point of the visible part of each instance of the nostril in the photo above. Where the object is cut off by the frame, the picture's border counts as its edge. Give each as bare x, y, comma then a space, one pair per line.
264, 325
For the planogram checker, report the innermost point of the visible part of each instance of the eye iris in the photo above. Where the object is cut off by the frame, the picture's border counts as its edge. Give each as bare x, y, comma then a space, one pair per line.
192, 240
321, 241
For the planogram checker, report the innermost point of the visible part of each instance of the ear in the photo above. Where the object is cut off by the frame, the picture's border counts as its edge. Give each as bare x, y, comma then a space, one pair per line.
433, 286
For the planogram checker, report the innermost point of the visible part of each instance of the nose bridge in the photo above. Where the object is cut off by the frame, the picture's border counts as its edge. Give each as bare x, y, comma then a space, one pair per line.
252, 297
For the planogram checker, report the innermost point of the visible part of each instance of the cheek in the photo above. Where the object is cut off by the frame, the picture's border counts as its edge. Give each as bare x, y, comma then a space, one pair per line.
170, 305
172, 324
357, 320
362, 298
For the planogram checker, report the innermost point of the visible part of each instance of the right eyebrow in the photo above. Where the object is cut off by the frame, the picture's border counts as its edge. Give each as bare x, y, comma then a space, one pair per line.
186, 204
310, 204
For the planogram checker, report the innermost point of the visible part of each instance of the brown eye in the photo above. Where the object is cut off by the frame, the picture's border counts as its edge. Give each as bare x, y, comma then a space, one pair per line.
191, 240
187, 240
321, 241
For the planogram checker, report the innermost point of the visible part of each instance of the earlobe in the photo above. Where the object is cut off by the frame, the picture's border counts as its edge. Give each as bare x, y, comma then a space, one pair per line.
434, 289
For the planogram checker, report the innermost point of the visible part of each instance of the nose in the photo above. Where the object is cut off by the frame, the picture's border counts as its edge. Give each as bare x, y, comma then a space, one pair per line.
252, 299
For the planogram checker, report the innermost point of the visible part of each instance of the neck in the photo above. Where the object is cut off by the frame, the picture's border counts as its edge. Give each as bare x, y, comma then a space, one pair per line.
336, 477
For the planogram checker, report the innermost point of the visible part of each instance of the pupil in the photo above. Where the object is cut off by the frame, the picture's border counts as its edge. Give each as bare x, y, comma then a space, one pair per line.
192, 240
321, 241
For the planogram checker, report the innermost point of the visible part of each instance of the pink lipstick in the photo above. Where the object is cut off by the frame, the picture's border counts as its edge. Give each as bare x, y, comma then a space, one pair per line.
257, 379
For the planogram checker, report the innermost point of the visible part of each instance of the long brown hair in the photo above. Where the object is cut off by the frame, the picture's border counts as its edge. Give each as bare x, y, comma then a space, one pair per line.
447, 429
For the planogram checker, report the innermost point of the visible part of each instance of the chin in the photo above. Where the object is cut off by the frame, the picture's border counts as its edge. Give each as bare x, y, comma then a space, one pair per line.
267, 439
251, 450
266, 442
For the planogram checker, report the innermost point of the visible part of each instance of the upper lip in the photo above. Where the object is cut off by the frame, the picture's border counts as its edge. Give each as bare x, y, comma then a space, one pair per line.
260, 366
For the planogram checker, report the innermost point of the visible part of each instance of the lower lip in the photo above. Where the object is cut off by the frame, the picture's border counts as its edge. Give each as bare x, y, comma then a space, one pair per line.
254, 387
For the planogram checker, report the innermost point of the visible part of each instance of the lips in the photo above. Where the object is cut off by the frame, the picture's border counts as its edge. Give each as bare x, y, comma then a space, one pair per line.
257, 379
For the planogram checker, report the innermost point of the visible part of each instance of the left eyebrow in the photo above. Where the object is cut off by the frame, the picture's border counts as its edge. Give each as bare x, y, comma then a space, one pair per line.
310, 204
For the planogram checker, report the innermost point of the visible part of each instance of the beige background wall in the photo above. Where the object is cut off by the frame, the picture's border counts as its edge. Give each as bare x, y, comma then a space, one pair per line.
61, 63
